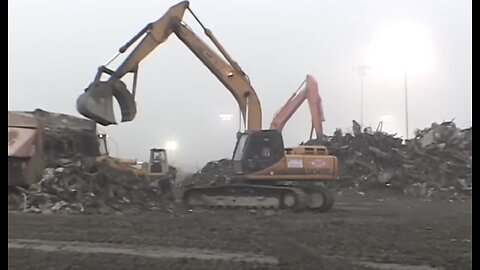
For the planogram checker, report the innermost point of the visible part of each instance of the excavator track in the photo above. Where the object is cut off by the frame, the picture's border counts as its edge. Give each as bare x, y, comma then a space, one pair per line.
247, 196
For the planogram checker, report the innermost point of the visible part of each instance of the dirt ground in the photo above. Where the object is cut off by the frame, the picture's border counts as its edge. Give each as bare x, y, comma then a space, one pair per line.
362, 232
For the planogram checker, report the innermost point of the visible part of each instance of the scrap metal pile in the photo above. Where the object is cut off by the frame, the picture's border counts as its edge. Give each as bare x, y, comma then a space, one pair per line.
85, 185
213, 173
438, 159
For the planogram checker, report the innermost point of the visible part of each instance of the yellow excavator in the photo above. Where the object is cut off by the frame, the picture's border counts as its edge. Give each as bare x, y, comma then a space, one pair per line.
267, 175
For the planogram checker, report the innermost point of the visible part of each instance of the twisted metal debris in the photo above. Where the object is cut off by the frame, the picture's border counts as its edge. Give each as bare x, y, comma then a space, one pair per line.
439, 158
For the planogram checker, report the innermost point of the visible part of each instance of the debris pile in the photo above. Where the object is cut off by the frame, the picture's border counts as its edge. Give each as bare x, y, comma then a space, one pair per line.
86, 186
213, 173
439, 158
67, 173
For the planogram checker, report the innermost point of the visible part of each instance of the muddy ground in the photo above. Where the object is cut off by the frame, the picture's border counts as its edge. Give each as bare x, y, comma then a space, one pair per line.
362, 232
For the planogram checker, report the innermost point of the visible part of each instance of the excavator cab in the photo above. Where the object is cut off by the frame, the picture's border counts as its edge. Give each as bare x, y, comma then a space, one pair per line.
256, 150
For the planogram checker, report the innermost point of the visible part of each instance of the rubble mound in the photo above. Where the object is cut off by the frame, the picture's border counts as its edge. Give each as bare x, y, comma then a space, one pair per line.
85, 185
215, 172
438, 158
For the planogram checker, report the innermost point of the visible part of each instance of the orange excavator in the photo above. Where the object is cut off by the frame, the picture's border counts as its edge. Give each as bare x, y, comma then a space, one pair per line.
311, 93
267, 175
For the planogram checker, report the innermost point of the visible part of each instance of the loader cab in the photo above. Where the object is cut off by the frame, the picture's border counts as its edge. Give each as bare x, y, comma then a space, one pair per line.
158, 161
256, 150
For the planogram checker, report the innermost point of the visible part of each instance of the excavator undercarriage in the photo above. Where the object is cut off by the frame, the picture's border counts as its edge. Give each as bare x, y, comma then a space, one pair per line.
265, 196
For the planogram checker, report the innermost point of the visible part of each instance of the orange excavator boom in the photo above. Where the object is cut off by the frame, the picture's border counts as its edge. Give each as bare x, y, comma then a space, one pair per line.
311, 93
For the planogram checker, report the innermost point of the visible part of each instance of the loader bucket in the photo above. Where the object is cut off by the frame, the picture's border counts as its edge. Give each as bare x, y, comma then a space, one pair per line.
97, 102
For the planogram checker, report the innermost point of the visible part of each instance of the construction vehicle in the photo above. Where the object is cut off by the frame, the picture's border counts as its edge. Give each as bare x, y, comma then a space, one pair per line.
309, 92
266, 174
157, 172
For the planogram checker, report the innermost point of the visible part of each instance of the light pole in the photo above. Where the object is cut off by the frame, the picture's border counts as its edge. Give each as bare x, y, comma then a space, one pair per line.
406, 103
362, 73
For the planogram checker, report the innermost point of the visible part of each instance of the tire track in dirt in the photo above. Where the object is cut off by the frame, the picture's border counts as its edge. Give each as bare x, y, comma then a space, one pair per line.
156, 252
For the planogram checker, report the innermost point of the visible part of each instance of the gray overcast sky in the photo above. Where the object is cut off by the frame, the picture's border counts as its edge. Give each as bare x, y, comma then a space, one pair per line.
54, 48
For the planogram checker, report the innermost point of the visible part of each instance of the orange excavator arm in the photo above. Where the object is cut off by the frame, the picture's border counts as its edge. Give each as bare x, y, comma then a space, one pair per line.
311, 93
97, 101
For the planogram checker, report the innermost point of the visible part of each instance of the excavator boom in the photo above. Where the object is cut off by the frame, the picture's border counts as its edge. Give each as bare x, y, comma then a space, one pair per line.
288, 109
311, 93
97, 101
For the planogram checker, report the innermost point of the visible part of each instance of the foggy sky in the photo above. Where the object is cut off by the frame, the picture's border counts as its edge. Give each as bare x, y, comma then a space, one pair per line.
55, 47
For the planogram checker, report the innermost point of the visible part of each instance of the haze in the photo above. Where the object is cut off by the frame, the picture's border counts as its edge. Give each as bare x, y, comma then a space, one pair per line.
55, 47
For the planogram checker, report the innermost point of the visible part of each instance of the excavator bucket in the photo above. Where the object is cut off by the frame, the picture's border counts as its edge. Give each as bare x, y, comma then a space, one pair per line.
97, 102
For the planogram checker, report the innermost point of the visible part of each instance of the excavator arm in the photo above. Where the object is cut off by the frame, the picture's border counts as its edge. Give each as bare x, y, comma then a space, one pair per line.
311, 93
97, 101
